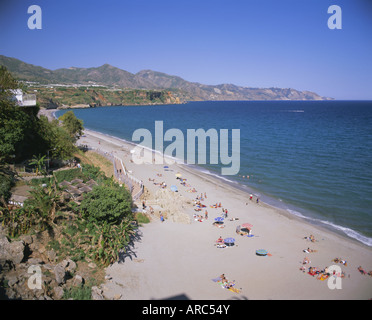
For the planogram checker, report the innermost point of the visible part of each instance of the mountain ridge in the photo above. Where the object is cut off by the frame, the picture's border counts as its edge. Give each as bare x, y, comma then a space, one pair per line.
108, 75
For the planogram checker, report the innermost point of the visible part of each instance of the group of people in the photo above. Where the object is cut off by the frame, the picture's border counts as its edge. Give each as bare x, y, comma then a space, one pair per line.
363, 272
310, 238
339, 260
226, 284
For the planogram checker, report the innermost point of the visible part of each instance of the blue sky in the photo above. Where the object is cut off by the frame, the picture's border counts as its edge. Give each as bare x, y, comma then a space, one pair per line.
255, 43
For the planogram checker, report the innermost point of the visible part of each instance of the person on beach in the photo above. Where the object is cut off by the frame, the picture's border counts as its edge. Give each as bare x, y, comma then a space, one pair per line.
251, 197
361, 270
206, 214
161, 217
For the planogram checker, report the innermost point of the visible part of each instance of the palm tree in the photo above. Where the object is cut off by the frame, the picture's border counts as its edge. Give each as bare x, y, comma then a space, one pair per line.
39, 162
44, 203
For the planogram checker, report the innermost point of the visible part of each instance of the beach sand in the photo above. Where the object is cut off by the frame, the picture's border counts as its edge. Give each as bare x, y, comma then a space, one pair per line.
179, 260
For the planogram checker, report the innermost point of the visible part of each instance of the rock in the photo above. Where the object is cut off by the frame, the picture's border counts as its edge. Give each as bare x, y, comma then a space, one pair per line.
48, 266
33, 261
11, 251
27, 239
60, 274
71, 266
12, 280
78, 280
173, 205
117, 296
51, 255
97, 293
58, 293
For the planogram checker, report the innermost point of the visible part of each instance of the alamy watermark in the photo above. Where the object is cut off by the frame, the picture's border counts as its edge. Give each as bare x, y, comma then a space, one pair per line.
34, 21
335, 279
34, 281
335, 20
175, 151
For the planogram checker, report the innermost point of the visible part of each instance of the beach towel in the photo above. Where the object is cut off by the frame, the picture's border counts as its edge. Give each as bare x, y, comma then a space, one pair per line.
322, 277
234, 290
223, 286
216, 279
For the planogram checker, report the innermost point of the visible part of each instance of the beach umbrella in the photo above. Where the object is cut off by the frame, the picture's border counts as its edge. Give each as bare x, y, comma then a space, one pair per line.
218, 219
132, 151
229, 241
261, 252
174, 188
247, 226
178, 175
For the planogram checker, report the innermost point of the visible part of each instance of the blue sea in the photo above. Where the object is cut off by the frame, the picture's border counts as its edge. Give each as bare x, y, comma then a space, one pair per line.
311, 158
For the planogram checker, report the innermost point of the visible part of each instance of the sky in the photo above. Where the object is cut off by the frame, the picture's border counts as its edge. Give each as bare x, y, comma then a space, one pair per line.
253, 43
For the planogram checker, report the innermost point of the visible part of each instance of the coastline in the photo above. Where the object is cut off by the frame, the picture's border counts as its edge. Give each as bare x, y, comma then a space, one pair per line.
153, 272
307, 215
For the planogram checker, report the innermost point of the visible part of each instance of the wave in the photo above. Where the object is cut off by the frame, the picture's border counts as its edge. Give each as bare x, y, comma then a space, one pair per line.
292, 111
349, 232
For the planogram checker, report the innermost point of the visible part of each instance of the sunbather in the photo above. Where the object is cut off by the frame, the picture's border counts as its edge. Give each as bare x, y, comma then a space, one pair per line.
361, 270
220, 240
311, 238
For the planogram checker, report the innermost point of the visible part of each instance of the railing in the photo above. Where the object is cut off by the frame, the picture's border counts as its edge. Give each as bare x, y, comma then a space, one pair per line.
121, 174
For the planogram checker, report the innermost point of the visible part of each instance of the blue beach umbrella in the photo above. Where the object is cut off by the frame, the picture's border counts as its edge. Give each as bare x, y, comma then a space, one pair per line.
174, 188
261, 252
218, 219
229, 241
165, 167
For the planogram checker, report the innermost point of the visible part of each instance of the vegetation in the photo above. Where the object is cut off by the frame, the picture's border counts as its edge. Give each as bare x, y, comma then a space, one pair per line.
109, 204
39, 162
98, 227
102, 96
72, 125
23, 134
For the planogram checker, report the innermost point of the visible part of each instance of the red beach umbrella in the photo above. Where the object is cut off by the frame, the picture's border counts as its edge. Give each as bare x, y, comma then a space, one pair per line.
247, 226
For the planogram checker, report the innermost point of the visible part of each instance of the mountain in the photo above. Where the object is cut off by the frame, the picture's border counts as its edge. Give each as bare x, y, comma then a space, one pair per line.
107, 75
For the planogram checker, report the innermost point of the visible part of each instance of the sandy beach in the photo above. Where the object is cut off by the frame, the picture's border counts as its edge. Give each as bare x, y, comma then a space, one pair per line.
178, 258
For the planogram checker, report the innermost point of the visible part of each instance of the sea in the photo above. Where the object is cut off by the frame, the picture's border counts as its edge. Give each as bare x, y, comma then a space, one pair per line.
310, 158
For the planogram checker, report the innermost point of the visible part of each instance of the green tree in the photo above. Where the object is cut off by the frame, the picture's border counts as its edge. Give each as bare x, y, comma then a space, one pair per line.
7, 83
60, 143
73, 125
106, 204
20, 136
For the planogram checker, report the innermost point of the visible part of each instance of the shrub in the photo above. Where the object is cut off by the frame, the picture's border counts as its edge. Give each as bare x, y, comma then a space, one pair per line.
106, 204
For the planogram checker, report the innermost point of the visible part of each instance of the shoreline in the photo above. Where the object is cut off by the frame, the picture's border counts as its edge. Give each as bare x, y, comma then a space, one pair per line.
161, 263
287, 209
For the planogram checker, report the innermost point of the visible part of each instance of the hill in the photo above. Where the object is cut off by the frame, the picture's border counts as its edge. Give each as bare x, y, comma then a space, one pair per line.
110, 76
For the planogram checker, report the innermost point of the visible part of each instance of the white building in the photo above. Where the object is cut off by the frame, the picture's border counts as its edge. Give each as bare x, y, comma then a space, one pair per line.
24, 100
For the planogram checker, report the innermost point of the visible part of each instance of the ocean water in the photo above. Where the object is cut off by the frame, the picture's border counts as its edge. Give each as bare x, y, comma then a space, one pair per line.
311, 158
